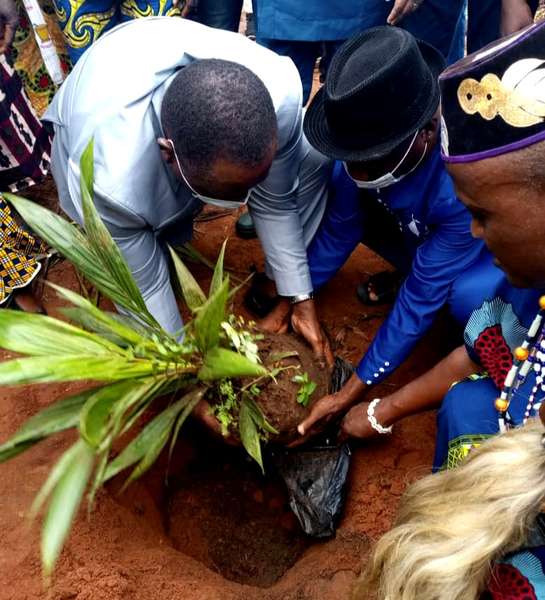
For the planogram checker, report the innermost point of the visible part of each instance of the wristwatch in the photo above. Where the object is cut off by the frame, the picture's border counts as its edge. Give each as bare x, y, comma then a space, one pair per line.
301, 298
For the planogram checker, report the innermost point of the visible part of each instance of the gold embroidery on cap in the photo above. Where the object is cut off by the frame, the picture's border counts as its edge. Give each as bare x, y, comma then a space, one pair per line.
540, 12
518, 98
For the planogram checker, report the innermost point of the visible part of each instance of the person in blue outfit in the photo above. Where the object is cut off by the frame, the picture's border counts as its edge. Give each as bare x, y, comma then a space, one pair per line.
302, 30
391, 192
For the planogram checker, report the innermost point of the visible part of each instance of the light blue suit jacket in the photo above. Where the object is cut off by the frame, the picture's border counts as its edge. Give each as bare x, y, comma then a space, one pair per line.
114, 95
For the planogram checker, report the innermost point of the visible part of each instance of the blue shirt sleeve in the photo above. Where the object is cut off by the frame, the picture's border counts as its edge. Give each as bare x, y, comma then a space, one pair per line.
340, 231
447, 253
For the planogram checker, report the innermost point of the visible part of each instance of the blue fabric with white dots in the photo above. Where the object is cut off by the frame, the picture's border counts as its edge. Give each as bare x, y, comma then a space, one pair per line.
444, 264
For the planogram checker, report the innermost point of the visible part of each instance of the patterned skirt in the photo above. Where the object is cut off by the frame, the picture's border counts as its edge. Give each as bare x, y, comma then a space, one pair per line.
20, 253
24, 143
24, 160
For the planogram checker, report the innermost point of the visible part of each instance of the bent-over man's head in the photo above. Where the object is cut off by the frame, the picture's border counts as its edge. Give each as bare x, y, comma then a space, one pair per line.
220, 130
493, 140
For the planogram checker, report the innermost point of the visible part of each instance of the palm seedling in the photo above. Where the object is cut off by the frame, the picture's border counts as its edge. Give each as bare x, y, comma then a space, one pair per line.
132, 361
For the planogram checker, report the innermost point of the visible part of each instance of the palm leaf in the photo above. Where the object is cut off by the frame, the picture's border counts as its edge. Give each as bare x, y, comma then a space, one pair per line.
38, 335
95, 319
68, 240
95, 413
104, 247
207, 324
217, 278
191, 290
46, 369
220, 363
64, 502
147, 445
61, 415
193, 398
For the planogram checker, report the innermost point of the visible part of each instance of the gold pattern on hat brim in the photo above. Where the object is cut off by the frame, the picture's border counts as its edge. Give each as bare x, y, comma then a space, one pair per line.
518, 98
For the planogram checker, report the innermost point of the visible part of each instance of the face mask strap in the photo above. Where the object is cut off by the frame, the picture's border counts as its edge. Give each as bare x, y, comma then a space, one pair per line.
171, 143
406, 153
212, 201
389, 178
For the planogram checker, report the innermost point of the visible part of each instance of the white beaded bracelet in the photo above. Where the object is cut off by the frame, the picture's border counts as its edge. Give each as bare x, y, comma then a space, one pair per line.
373, 420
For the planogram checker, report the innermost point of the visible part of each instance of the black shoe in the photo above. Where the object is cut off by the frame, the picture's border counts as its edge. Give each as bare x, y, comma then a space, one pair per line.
256, 301
245, 227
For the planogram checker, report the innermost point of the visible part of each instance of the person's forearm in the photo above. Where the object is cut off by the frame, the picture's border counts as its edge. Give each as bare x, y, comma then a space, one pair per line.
350, 393
427, 391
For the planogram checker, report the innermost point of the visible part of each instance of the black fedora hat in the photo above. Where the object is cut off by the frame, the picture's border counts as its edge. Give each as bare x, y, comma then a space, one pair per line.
380, 88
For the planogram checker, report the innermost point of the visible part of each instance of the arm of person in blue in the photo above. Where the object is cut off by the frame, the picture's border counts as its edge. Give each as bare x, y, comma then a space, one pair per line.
447, 254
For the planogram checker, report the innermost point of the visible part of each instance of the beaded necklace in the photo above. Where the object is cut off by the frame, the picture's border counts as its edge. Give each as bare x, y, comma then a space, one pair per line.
531, 354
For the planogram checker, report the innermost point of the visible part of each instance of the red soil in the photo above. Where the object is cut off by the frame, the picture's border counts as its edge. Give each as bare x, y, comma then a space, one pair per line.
124, 551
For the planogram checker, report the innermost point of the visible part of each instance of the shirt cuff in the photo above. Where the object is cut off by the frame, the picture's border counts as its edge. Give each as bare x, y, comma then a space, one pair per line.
290, 283
372, 374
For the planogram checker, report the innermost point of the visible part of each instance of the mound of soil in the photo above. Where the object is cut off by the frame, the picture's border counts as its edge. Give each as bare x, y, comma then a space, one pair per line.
278, 397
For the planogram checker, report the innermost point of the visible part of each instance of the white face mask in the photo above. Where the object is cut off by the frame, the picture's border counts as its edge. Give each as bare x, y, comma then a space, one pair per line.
388, 178
212, 201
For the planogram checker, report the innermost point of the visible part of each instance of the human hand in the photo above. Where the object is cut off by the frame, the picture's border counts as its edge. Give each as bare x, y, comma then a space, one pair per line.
321, 414
304, 321
356, 424
401, 9
331, 406
8, 23
187, 6
204, 414
515, 15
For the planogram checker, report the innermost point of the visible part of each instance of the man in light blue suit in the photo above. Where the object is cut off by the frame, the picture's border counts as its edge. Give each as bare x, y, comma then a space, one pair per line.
182, 115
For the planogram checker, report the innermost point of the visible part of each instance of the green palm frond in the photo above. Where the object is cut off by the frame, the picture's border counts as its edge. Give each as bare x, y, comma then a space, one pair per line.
132, 360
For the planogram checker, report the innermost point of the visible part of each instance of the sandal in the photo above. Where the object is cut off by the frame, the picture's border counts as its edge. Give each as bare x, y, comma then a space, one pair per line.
384, 286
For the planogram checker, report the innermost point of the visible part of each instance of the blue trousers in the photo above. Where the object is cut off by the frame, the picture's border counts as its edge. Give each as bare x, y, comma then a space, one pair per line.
221, 14
436, 22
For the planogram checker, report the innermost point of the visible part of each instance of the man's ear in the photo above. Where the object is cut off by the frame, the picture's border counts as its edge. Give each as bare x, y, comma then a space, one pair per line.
431, 128
167, 153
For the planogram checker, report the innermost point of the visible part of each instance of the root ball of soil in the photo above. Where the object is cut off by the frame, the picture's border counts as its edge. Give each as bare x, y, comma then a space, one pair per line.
278, 398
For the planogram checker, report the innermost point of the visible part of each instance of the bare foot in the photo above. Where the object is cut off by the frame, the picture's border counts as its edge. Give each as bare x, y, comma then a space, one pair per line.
27, 302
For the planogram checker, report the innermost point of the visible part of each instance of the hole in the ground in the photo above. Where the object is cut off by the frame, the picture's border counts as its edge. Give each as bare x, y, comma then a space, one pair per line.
238, 523
220, 510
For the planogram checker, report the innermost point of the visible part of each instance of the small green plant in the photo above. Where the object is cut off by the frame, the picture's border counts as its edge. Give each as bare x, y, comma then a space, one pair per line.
242, 339
307, 387
132, 361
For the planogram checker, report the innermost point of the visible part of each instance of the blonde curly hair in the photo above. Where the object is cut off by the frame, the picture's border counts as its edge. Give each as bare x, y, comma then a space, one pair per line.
452, 526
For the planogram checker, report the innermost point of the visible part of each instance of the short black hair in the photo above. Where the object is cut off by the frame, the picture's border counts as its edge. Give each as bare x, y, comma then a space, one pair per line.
527, 163
218, 109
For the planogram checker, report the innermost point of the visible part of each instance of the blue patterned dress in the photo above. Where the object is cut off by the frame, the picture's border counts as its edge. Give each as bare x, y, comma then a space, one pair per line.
83, 21
468, 417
